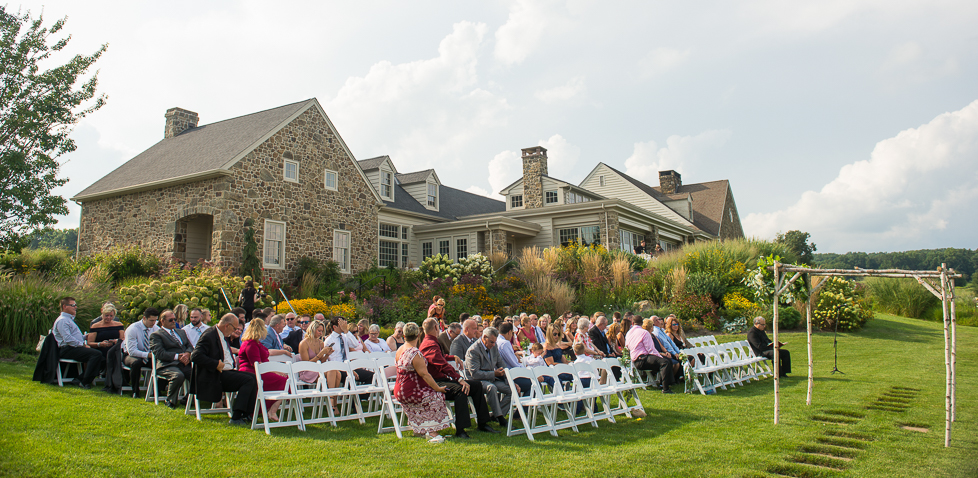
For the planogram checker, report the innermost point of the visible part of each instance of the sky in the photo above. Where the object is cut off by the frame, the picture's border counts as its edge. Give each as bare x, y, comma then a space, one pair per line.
855, 121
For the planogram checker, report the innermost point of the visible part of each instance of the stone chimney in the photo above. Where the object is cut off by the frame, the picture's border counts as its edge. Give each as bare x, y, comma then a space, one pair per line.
179, 120
534, 168
670, 182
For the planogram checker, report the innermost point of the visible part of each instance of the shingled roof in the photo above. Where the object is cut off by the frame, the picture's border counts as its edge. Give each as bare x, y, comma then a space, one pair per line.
454, 203
372, 163
195, 152
415, 177
708, 199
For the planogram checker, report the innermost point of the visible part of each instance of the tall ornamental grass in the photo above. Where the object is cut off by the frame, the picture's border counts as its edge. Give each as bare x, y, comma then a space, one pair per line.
29, 304
899, 296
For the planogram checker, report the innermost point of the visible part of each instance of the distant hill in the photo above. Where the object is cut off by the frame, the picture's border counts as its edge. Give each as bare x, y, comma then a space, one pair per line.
964, 261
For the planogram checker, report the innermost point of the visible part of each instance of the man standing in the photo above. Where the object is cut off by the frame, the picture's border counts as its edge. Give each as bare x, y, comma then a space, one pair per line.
482, 362
171, 348
137, 346
461, 343
763, 347
196, 326
273, 340
71, 344
641, 348
445, 338
456, 389
213, 374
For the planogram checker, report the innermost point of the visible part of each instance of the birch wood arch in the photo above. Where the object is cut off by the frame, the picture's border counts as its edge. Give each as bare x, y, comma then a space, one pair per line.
943, 290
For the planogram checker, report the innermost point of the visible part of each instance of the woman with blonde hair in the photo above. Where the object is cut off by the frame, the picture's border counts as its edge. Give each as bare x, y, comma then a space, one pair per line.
183, 313
526, 331
437, 310
251, 352
612, 335
312, 349
396, 340
674, 329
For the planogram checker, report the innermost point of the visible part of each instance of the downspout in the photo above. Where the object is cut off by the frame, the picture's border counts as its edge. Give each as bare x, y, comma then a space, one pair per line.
607, 233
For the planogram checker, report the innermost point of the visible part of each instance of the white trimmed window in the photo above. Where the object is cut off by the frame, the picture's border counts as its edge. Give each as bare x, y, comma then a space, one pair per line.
550, 197
516, 200
388, 253
273, 256
586, 235
291, 171
341, 249
393, 248
426, 250
386, 185
445, 247
461, 248
404, 254
600, 180
330, 180
433, 195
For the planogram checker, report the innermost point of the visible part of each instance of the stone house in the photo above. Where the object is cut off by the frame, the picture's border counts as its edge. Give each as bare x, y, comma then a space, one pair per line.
288, 169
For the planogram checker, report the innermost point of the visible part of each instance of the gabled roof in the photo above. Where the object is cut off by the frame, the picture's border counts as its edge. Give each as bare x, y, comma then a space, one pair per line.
195, 151
454, 203
415, 177
372, 163
506, 189
708, 199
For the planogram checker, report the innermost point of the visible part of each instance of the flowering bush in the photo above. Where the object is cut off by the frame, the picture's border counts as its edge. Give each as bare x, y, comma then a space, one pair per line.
308, 307
838, 301
201, 290
761, 281
438, 266
693, 307
475, 264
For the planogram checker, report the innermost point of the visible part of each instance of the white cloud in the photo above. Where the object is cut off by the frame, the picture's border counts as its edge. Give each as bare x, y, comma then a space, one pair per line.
561, 159
480, 191
524, 29
504, 168
661, 60
648, 158
914, 191
423, 113
77, 167
909, 63
573, 87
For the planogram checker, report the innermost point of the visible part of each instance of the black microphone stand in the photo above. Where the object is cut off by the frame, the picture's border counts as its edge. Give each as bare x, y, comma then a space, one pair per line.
835, 345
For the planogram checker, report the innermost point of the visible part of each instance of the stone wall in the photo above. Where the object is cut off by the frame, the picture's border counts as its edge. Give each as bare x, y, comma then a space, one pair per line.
257, 190
669, 181
534, 168
610, 234
731, 229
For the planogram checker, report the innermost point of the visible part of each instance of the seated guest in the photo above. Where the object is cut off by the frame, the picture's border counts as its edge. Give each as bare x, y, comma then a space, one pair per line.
660, 334
483, 363
540, 327
553, 353
182, 313
312, 349
196, 326
611, 335
107, 336
674, 329
296, 336
362, 329
510, 360
641, 347
626, 325
100, 317
171, 349
213, 371
535, 359
583, 358
71, 344
343, 342
271, 338
465, 339
290, 326
445, 338
235, 340
599, 338
373, 342
241, 314
423, 400
253, 350
583, 337
137, 346
764, 347
456, 389
396, 340
207, 316
526, 331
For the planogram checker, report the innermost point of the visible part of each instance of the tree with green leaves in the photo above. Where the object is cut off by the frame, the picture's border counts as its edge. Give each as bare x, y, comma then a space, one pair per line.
250, 265
38, 107
796, 242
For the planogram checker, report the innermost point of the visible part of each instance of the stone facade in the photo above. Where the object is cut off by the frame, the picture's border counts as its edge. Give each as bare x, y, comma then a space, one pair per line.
255, 189
610, 230
534, 168
730, 229
497, 241
179, 120
669, 181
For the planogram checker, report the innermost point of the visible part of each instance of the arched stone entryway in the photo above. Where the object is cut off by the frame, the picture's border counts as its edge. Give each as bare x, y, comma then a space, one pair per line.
192, 237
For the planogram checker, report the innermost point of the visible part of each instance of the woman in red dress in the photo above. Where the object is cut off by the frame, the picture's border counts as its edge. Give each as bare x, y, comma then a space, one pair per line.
252, 351
423, 400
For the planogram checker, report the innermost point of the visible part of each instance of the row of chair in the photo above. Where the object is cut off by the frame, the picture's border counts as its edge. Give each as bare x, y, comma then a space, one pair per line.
712, 366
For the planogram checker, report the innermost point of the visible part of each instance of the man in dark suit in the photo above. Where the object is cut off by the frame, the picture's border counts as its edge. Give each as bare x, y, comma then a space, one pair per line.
296, 336
763, 347
600, 341
482, 362
461, 344
213, 374
445, 338
171, 349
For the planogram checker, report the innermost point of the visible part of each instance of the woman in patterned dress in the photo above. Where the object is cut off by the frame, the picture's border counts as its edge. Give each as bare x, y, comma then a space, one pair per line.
422, 399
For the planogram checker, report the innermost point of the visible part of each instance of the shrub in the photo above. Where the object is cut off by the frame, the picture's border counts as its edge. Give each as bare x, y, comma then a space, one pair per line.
438, 266
838, 301
51, 262
788, 317
200, 290
899, 296
312, 307
693, 307
702, 283
29, 305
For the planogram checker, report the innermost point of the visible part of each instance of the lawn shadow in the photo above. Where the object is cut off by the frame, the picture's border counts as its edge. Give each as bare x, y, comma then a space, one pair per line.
881, 328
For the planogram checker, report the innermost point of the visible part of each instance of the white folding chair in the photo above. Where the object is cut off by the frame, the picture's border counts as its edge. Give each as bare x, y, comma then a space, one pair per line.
596, 391
193, 404
528, 406
281, 358
574, 390
625, 385
611, 388
343, 393
556, 393
373, 390
391, 407
290, 399
69, 362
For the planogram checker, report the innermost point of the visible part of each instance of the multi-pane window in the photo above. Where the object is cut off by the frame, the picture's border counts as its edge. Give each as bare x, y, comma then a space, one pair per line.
386, 184
571, 197
426, 250
341, 249
516, 200
444, 247
432, 195
461, 248
291, 171
389, 230
388, 253
329, 181
274, 254
586, 235
404, 254
590, 235
629, 240
567, 236
550, 197
404, 232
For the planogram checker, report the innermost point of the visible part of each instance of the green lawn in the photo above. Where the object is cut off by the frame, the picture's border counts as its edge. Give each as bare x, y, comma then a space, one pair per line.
51, 431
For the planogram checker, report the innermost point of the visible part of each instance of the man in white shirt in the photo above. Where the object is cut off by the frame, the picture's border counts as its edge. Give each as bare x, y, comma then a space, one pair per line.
342, 343
510, 360
71, 344
290, 326
195, 327
137, 346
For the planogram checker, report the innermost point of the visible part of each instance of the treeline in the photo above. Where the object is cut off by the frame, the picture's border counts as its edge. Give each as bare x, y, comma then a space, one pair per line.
964, 261
66, 239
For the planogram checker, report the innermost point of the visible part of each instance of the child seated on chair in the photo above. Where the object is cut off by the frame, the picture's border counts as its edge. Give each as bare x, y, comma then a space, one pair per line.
582, 358
535, 359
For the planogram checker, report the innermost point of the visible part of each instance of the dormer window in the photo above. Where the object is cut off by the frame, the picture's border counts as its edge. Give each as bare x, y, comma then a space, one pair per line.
291, 171
386, 184
432, 195
550, 197
516, 201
